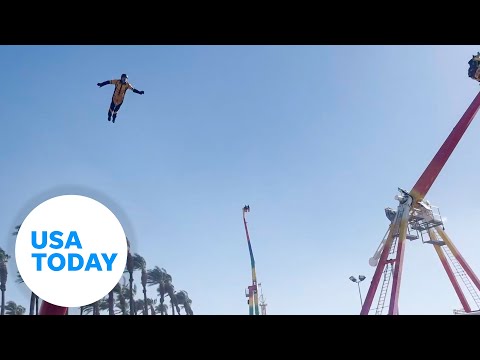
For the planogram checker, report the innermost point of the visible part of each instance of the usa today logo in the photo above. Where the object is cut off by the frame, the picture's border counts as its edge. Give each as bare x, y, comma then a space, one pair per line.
71, 250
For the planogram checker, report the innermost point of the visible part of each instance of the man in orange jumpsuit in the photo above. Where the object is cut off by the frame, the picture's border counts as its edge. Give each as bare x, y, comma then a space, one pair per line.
121, 87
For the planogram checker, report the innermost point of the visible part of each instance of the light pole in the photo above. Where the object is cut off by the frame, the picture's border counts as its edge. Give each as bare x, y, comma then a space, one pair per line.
360, 279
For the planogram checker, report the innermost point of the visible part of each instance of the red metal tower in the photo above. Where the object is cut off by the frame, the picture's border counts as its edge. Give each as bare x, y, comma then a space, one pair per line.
415, 218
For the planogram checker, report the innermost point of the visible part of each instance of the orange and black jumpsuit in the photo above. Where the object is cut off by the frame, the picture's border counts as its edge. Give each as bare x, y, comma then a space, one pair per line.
118, 95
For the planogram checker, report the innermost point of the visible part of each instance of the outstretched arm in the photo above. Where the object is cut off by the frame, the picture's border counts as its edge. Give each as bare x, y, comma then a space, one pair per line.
135, 90
107, 82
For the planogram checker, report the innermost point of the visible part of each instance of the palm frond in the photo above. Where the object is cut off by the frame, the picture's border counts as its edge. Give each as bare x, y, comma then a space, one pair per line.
139, 262
158, 275
11, 308
3, 255
19, 279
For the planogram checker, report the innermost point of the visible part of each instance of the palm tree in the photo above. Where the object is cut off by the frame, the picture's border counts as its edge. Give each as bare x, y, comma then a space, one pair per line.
130, 272
121, 303
111, 299
139, 263
13, 309
157, 276
102, 305
94, 307
33, 296
3, 277
124, 291
87, 309
140, 306
150, 304
171, 305
111, 302
162, 309
183, 299
160, 277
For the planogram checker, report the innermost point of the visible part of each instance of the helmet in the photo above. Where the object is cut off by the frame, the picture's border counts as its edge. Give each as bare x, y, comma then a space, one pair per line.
124, 78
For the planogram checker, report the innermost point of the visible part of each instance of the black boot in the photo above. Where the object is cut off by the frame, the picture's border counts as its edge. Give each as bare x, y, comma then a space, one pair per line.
114, 117
109, 116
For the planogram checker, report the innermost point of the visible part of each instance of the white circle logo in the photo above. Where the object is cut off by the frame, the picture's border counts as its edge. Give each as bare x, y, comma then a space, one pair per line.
71, 250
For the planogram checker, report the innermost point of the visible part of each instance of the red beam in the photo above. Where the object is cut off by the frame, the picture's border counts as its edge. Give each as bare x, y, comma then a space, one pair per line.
378, 273
50, 309
453, 280
428, 177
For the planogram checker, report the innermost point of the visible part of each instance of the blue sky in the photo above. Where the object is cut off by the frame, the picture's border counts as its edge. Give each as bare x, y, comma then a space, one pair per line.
316, 139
